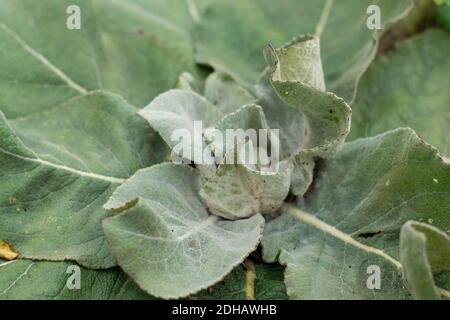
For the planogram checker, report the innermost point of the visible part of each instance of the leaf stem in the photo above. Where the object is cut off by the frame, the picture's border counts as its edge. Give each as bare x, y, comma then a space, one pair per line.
331, 230
324, 227
323, 18
250, 276
444, 292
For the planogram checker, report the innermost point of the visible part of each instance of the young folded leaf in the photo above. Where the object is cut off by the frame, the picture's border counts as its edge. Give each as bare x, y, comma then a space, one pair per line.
235, 191
424, 250
297, 77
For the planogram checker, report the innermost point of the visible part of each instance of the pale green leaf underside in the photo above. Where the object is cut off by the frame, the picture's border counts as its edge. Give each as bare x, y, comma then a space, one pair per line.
180, 116
408, 87
187, 81
236, 192
293, 126
242, 122
352, 217
35, 280
348, 45
166, 240
297, 77
423, 250
239, 189
56, 180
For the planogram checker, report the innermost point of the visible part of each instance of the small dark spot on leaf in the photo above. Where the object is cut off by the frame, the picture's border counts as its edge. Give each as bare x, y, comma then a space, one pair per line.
369, 234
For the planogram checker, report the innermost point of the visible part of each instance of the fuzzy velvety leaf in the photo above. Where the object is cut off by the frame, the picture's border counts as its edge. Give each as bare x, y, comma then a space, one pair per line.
408, 86
26, 279
166, 240
235, 191
241, 188
44, 63
424, 249
249, 117
56, 180
187, 81
175, 112
348, 45
297, 78
291, 123
351, 218
224, 92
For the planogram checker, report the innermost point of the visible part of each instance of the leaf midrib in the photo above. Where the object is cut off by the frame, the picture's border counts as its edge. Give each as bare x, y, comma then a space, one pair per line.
65, 168
41, 58
331, 230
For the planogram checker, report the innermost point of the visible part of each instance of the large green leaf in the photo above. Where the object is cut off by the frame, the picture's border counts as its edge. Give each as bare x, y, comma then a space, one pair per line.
26, 279
56, 180
408, 86
44, 63
164, 237
352, 216
231, 35
423, 250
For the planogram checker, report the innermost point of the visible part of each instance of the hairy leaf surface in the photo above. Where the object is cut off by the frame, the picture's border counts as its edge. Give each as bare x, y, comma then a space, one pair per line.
348, 45
353, 215
408, 87
164, 237
56, 179
36, 280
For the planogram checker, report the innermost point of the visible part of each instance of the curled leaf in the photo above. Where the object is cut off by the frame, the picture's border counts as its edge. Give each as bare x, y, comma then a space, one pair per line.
424, 250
